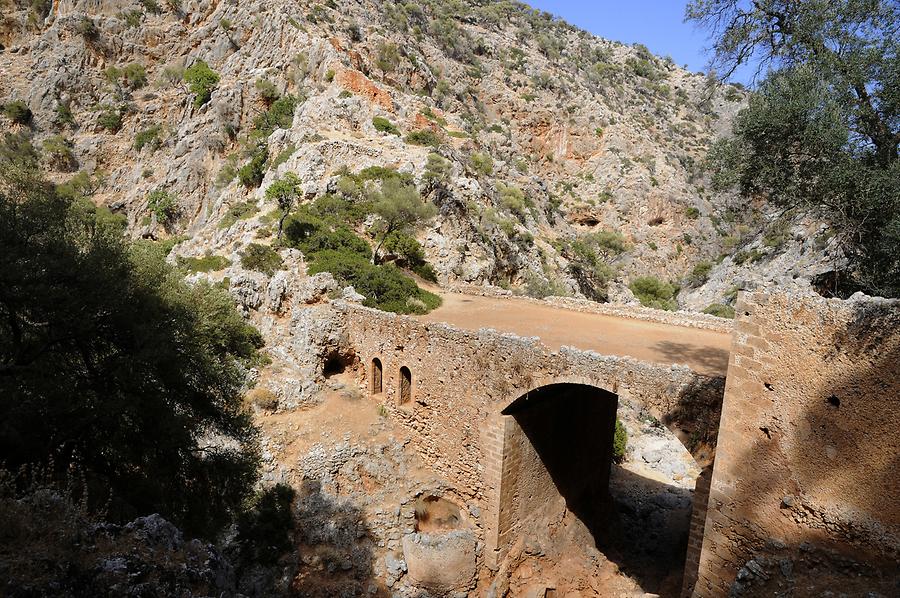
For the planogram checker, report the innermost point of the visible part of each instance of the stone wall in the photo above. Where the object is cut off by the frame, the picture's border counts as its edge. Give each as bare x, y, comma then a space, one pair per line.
686, 319
699, 508
807, 473
463, 380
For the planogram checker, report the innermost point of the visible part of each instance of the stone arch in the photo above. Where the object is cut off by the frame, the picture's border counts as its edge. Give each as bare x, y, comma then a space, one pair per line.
377, 376
538, 433
405, 385
556, 450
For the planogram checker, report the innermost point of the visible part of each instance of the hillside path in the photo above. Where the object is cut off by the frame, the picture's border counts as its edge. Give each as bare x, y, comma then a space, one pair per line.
704, 351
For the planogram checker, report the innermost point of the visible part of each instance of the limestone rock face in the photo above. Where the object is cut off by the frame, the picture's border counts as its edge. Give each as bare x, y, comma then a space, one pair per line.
545, 146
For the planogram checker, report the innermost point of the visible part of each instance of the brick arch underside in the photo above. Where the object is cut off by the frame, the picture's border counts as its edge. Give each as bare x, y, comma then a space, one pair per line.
557, 444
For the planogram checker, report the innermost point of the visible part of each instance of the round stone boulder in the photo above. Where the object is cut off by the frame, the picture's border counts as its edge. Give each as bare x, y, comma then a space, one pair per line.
440, 563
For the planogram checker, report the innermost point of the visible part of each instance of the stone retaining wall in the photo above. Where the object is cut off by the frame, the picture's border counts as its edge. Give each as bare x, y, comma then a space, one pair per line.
807, 460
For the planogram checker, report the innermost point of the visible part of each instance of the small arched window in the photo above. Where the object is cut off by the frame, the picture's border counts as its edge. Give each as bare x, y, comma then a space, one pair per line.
405, 385
376, 376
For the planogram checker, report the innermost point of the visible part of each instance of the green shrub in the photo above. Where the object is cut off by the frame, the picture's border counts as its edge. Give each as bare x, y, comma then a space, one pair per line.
610, 241
384, 287
132, 18
135, 75
587, 267
692, 212
437, 168
64, 114
388, 57
18, 112
720, 310
261, 258
163, 205
310, 233
283, 156
482, 163
237, 212
410, 253
513, 199
251, 174
110, 118
652, 292
87, 29
267, 90
207, 263
16, 148
542, 287
620, 442
321, 233
284, 192
700, 273
329, 76
777, 234
58, 150
280, 115
423, 137
336, 208
149, 138
382, 174
202, 81
81, 186
383, 125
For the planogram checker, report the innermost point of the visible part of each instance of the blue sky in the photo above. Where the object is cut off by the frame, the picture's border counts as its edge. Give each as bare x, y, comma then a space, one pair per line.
658, 24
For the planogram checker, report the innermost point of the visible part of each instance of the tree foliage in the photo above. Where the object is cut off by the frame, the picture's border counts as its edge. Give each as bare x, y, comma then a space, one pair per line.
284, 191
821, 132
202, 81
111, 363
400, 207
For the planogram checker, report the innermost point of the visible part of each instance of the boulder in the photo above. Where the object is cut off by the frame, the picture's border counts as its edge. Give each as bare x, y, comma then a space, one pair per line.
440, 563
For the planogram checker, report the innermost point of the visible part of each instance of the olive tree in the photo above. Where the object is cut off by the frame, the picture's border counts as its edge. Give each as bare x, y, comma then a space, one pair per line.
822, 129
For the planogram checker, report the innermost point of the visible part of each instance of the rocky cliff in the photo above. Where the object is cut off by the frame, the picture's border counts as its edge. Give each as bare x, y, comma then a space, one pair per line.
561, 163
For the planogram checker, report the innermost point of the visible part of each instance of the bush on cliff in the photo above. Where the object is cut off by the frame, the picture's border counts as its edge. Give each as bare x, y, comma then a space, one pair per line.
384, 287
202, 81
652, 292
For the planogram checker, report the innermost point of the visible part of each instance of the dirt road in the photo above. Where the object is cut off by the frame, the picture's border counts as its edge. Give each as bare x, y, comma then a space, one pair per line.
705, 351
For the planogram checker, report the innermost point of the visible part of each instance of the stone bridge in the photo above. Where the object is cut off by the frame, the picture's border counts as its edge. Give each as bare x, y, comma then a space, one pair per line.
485, 409
515, 424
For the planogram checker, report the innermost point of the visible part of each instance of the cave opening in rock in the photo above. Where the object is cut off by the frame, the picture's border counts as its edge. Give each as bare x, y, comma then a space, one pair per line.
336, 363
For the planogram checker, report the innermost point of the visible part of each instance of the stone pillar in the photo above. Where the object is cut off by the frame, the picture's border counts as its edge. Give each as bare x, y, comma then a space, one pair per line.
492, 442
695, 536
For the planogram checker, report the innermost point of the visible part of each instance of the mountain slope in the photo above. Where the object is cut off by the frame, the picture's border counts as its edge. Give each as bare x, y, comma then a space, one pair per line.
573, 164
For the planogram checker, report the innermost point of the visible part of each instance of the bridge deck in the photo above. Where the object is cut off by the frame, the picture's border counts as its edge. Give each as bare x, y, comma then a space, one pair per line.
705, 351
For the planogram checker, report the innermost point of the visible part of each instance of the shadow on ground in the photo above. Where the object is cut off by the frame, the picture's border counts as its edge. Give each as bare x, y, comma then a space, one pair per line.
709, 358
336, 548
644, 530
